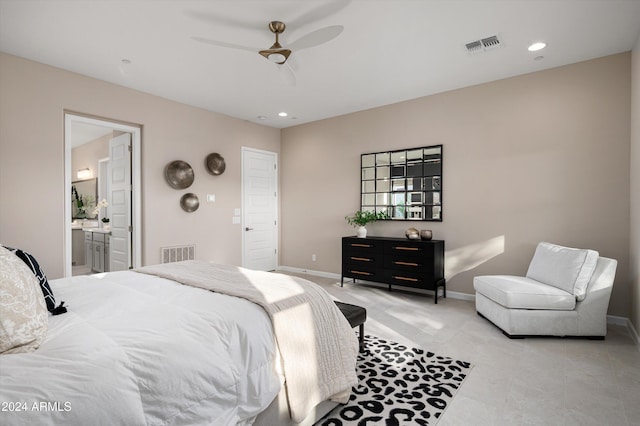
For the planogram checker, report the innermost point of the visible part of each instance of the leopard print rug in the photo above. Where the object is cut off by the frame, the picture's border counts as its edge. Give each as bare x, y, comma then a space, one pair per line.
399, 385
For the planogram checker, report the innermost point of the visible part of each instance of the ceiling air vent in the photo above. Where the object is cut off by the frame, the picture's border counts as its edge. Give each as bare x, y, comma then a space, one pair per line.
474, 46
482, 45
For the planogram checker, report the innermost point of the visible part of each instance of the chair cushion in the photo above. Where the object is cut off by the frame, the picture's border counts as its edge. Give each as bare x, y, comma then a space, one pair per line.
566, 268
523, 293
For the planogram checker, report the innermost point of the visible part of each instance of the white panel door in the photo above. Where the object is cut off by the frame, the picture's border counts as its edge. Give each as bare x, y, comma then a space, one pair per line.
260, 209
120, 202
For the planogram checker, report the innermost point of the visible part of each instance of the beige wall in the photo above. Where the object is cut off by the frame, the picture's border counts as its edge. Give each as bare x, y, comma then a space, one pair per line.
32, 103
542, 156
88, 154
635, 188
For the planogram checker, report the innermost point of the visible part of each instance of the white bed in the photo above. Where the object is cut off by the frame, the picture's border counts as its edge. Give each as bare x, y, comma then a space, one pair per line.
137, 349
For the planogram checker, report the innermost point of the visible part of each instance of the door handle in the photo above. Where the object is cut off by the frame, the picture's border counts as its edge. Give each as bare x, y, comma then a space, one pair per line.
248, 229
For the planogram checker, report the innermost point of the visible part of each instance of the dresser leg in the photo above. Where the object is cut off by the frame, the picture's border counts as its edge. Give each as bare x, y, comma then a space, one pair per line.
441, 283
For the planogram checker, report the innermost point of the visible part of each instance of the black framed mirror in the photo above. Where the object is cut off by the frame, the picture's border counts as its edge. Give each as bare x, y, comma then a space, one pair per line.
406, 183
84, 194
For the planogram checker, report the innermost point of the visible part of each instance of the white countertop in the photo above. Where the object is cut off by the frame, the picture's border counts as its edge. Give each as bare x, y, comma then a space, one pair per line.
92, 229
98, 230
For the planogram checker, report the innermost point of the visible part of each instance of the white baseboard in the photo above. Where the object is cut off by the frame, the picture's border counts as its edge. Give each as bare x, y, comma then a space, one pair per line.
451, 294
634, 334
615, 320
309, 271
611, 319
625, 322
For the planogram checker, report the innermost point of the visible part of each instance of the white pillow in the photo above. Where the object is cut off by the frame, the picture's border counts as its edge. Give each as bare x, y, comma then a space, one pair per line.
566, 268
23, 312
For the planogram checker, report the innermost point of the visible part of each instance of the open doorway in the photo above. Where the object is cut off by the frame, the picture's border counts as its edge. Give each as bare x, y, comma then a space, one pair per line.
102, 162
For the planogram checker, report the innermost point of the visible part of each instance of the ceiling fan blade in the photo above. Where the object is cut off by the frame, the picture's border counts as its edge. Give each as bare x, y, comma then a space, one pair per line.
320, 10
287, 74
225, 44
316, 37
227, 21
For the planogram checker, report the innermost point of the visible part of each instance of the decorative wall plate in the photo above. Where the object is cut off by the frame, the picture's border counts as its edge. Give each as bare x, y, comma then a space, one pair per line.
215, 164
189, 202
179, 174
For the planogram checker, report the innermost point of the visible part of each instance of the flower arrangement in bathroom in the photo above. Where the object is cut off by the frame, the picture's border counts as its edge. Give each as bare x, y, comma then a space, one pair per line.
96, 211
102, 203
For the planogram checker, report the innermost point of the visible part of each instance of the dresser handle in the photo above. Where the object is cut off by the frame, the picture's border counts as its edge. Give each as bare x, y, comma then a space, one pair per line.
360, 272
405, 279
406, 263
407, 248
360, 245
363, 259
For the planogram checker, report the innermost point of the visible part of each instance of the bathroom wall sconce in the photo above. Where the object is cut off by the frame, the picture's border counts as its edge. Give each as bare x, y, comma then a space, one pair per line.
84, 173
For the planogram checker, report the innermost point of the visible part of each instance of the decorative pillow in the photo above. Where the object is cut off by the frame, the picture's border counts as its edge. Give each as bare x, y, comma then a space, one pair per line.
32, 263
566, 268
23, 322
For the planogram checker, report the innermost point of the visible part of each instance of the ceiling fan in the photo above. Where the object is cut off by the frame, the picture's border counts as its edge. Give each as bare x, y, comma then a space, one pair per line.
276, 53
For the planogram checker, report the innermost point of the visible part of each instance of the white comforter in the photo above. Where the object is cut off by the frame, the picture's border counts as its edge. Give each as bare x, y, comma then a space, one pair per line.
136, 349
315, 341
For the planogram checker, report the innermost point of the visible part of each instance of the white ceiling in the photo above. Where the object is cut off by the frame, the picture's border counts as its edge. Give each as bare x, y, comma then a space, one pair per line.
389, 51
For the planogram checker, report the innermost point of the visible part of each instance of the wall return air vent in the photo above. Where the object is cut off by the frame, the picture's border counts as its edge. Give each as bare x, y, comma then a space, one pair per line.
484, 44
178, 253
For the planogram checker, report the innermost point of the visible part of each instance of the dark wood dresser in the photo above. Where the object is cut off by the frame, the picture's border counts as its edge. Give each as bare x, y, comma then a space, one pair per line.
395, 261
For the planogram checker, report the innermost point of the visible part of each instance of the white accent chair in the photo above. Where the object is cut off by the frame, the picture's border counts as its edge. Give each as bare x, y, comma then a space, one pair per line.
565, 293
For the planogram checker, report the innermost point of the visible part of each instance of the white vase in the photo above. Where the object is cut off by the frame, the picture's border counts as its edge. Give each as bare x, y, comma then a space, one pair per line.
361, 232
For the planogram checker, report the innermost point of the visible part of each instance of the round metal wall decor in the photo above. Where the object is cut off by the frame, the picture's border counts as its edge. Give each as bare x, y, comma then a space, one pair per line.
189, 202
215, 164
178, 174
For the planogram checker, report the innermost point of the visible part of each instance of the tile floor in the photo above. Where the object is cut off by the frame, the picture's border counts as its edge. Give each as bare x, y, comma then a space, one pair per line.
534, 381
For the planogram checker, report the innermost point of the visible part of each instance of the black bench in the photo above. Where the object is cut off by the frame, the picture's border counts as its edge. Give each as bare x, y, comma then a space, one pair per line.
356, 315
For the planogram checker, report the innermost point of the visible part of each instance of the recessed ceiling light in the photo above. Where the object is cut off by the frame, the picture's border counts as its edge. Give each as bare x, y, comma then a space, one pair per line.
538, 58
282, 114
262, 117
126, 61
537, 46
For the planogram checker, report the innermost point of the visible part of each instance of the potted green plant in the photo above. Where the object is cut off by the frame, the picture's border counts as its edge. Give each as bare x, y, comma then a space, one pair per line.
360, 219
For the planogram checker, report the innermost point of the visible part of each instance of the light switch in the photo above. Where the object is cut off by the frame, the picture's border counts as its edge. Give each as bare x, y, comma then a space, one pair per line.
235, 220
211, 198
236, 212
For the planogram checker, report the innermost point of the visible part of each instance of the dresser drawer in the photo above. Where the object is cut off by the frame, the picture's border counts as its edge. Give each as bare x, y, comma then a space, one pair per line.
365, 259
408, 248
363, 272
408, 279
361, 246
414, 264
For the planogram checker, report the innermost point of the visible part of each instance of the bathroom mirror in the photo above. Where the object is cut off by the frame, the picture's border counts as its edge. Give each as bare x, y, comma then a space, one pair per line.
406, 183
84, 194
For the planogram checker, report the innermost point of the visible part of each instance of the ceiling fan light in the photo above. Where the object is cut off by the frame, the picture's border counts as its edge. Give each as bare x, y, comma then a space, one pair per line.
278, 58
